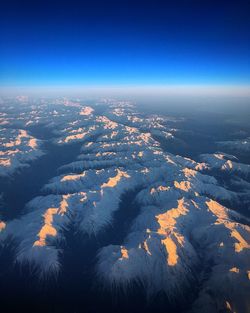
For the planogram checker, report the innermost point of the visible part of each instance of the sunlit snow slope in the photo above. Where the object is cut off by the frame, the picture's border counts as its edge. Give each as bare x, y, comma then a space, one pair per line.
183, 229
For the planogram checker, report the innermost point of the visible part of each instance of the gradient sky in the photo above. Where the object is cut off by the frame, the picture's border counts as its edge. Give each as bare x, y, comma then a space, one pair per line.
124, 42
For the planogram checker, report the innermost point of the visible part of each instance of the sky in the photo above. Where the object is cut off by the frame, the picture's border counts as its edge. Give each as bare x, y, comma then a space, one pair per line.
124, 43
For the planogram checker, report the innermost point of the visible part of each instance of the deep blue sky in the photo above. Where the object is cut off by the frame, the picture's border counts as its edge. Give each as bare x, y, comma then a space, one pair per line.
124, 42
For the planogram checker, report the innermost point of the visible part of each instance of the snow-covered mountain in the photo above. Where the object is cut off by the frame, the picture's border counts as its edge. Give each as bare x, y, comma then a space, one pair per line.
182, 235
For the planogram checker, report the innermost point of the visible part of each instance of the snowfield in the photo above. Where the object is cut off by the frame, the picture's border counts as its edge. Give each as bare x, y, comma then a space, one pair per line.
182, 235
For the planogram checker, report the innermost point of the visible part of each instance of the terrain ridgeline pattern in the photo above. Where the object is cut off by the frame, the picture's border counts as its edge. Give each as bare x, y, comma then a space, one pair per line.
182, 228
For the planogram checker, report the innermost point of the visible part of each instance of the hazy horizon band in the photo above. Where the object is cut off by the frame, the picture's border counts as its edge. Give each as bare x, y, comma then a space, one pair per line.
131, 90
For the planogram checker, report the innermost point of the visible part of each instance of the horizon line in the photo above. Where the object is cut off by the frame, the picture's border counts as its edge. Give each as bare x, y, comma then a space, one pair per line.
135, 90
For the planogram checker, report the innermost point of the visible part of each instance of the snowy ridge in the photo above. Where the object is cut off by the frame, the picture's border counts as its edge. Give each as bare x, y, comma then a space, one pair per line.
181, 231
225, 162
18, 150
